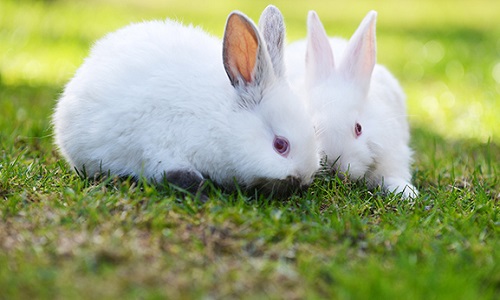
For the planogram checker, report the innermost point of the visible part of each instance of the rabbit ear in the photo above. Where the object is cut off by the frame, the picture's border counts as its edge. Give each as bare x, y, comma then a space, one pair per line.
360, 54
272, 27
319, 55
240, 49
244, 52
246, 59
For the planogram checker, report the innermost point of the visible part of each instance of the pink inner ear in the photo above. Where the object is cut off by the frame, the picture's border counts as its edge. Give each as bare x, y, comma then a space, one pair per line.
319, 55
360, 54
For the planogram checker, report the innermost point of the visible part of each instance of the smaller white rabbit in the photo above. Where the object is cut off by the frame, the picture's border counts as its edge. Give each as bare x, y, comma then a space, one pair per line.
357, 105
168, 101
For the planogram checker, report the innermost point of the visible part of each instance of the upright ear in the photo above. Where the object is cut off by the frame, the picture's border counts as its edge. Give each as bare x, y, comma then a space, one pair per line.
319, 55
272, 27
244, 53
361, 52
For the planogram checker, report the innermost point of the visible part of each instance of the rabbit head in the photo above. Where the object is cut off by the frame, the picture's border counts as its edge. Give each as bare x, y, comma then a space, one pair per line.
275, 131
339, 92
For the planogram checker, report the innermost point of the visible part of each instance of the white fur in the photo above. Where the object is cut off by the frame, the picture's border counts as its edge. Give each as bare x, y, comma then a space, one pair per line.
154, 97
343, 86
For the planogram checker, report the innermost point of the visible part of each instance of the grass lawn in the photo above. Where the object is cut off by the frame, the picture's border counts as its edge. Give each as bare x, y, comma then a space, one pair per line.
62, 237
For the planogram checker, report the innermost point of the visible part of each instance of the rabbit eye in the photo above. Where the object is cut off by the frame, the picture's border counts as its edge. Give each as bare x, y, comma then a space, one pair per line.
281, 145
358, 129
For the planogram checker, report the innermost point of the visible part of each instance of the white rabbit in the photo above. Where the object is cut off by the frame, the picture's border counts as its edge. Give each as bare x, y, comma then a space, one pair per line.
357, 105
166, 101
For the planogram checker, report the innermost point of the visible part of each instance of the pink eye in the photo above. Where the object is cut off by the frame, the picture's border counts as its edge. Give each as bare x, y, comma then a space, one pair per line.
358, 129
281, 145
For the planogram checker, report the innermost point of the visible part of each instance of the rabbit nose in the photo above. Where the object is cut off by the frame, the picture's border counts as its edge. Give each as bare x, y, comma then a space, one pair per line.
293, 180
296, 183
279, 187
300, 182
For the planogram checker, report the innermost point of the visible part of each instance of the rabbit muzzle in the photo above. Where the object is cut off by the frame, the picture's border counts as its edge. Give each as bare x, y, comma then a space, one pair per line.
280, 188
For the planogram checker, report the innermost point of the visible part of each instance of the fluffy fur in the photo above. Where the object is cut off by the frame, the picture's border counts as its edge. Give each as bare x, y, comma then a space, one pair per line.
163, 100
344, 87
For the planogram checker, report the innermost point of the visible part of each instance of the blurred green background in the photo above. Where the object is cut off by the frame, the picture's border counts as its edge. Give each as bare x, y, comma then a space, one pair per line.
445, 53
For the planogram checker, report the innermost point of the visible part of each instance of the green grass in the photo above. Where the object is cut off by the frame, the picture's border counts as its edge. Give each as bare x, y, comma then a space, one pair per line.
64, 237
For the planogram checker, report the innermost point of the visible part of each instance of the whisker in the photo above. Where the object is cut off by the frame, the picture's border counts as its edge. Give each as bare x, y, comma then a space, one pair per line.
325, 104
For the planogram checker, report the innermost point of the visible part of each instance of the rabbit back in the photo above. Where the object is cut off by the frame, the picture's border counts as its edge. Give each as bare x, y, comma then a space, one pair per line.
145, 87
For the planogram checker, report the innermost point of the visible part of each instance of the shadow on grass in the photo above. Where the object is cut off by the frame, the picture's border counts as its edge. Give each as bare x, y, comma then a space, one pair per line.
441, 163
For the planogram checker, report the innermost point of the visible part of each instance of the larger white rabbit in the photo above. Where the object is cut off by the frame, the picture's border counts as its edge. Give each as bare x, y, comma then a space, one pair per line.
357, 105
167, 101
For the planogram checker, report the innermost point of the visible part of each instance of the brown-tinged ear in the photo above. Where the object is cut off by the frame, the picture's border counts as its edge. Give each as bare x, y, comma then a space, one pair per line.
240, 49
246, 60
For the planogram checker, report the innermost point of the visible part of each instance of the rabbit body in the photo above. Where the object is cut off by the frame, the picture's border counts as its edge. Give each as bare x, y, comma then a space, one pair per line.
350, 92
153, 100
